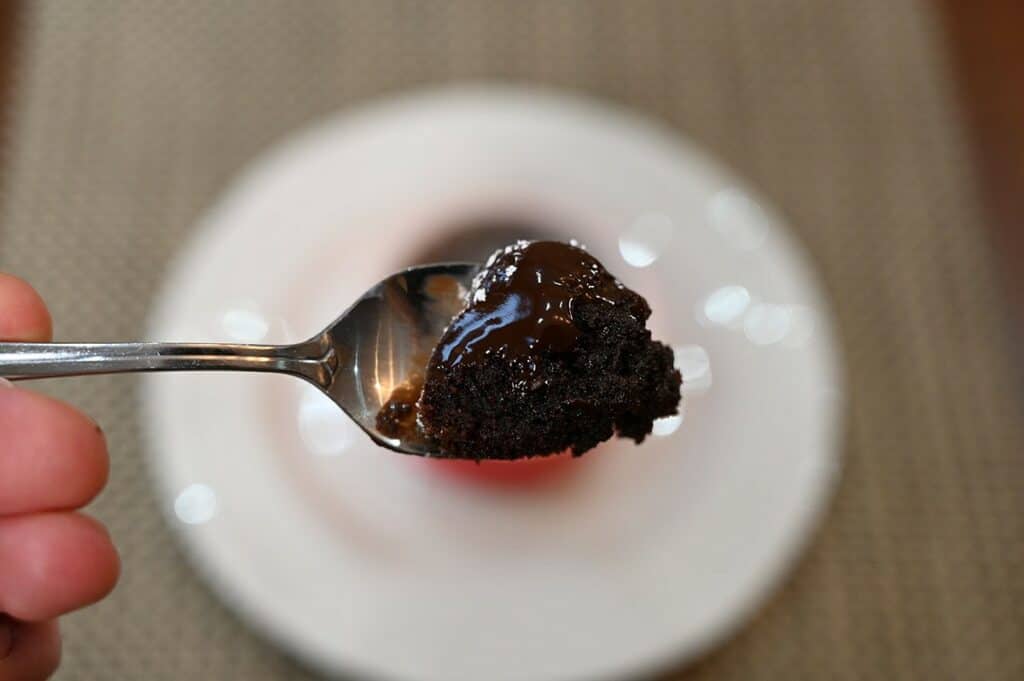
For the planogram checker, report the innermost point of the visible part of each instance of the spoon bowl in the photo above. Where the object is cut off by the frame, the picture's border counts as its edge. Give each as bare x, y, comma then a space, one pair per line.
386, 338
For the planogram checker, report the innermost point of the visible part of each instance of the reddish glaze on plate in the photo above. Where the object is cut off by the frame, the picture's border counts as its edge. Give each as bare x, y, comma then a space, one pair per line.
520, 473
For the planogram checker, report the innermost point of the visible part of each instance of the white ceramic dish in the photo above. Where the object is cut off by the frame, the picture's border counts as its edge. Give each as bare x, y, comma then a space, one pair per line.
357, 559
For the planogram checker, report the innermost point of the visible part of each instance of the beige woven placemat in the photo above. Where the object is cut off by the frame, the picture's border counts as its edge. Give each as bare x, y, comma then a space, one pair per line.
130, 117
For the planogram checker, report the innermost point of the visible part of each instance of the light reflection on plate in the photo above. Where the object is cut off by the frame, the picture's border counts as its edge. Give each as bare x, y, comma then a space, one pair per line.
244, 323
738, 218
694, 364
664, 427
196, 504
725, 306
324, 428
646, 239
766, 324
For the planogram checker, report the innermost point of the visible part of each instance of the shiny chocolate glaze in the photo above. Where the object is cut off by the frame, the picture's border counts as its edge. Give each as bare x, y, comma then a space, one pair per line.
523, 303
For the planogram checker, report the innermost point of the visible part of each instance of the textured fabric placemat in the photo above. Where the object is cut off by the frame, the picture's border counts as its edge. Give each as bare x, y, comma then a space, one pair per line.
130, 118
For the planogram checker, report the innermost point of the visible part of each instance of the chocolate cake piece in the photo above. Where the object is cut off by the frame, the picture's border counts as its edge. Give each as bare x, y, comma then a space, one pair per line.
551, 353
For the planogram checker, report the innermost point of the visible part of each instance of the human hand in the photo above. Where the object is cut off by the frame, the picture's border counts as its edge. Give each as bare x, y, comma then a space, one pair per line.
53, 460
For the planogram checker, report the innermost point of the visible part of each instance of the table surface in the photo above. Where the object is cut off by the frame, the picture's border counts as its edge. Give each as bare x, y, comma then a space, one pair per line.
986, 45
985, 40
916, 573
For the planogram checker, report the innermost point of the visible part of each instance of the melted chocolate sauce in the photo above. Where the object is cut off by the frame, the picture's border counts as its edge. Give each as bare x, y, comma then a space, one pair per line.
397, 416
522, 303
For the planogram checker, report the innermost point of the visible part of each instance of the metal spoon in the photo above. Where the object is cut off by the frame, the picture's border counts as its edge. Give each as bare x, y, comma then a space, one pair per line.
356, 361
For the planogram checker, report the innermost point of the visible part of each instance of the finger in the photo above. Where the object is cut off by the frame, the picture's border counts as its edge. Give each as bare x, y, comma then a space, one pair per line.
54, 563
51, 456
32, 652
23, 315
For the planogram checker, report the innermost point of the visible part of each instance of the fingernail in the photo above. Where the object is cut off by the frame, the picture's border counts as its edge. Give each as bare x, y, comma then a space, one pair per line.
4, 383
6, 635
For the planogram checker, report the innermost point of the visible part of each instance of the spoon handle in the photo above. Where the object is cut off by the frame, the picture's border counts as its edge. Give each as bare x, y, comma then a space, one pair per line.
309, 360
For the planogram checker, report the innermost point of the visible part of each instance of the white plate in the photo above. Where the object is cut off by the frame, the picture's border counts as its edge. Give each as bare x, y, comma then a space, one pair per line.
358, 560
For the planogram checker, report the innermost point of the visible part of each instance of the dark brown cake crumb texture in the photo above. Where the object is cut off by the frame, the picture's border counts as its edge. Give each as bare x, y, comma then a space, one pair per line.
552, 353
